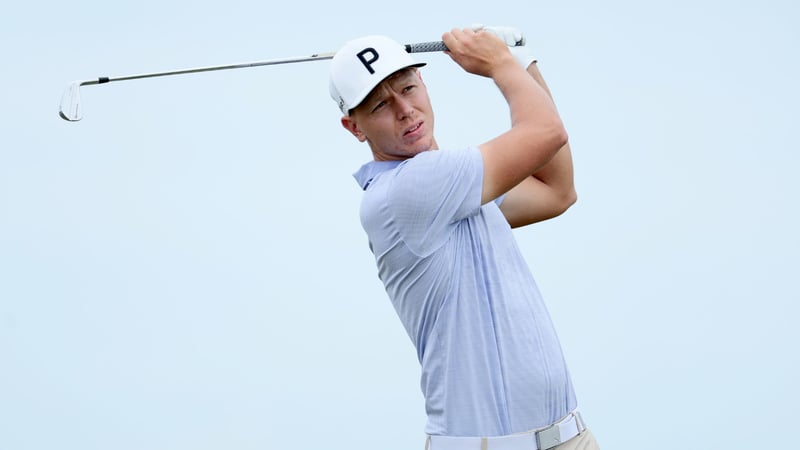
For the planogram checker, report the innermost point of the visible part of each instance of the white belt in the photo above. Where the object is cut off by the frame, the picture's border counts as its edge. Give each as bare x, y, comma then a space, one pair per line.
541, 439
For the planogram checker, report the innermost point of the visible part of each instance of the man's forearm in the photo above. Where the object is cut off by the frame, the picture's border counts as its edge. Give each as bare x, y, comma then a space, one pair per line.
558, 172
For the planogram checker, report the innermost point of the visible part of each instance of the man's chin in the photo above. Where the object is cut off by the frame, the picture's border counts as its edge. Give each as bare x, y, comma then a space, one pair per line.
422, 145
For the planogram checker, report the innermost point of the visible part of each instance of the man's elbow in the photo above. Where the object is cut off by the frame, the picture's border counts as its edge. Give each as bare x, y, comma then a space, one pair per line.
548, 134
566, 200
558, 134
571, 198
562, 137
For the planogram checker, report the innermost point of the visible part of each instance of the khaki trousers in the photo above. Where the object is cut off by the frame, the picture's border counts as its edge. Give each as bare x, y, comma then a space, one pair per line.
583, 441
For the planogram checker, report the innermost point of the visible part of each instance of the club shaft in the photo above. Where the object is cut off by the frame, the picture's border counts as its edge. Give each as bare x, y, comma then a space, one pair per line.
317, 56
411, 48
70, 108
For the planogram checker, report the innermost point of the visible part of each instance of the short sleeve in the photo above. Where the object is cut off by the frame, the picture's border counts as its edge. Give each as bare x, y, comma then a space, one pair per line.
432, 193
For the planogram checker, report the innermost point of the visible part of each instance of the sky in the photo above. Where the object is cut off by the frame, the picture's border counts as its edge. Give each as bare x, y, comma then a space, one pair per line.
185, 268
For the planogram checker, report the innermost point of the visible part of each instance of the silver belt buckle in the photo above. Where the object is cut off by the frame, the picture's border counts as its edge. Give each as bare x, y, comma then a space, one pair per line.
549, 437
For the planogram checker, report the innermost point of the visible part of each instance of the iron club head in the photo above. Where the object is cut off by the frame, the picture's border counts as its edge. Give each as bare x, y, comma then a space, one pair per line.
70, 108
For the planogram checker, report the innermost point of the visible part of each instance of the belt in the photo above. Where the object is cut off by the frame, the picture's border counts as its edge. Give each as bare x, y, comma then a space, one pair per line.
539, 439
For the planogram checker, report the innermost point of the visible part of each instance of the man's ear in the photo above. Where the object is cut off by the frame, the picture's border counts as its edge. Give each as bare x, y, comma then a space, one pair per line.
350, 125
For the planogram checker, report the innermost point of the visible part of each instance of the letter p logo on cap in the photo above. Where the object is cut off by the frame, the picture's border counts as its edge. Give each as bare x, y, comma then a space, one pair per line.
368, 62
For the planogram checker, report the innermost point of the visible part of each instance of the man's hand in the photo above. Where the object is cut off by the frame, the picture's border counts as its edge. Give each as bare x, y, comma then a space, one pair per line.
514, 39
478, 53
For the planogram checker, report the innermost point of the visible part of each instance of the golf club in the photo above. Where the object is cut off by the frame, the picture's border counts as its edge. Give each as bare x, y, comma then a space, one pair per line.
70, 108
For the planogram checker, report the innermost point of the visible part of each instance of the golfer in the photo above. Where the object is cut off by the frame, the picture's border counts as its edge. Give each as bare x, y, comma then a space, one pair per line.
439, 224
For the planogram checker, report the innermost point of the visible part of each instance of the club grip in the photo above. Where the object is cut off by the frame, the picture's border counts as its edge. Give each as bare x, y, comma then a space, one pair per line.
423, 47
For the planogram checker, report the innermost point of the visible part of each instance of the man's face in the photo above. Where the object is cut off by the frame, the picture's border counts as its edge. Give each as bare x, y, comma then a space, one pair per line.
396, 118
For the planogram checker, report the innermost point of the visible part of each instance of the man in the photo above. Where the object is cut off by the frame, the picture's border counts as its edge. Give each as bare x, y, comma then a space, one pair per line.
439, 224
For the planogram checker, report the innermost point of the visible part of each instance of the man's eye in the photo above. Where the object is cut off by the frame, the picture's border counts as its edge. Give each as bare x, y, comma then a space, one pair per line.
379, 106
408, 88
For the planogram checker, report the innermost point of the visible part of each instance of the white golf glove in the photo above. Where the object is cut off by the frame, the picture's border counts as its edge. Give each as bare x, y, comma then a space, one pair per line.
514, 39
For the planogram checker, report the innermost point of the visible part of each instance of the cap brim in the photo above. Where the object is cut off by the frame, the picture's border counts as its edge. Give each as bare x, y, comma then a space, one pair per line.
360, 98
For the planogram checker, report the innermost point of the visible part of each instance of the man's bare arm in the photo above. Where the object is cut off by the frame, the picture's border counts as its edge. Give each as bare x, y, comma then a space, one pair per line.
549, 191
536, 132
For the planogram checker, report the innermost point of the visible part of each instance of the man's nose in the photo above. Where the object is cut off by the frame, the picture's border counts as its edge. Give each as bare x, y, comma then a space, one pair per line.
403, 107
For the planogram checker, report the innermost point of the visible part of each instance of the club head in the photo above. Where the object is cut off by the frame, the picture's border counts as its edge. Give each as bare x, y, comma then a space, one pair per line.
70, 108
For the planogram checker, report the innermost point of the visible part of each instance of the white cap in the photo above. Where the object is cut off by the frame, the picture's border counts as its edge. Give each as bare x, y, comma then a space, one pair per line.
361, 64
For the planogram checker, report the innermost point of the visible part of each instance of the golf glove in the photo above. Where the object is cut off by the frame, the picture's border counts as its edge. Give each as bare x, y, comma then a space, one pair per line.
515, 41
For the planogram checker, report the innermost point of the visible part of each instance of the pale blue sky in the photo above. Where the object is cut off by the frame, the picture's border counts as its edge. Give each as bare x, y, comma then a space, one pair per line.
184, 268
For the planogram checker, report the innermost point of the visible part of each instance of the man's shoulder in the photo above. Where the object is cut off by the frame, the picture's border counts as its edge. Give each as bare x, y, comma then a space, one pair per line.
422, 199
428, 160
438, 164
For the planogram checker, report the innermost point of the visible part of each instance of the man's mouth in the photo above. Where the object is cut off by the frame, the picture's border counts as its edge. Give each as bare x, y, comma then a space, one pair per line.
413, 129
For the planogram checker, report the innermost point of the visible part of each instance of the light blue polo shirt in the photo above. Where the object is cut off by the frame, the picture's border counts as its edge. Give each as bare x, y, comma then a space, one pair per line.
490, 358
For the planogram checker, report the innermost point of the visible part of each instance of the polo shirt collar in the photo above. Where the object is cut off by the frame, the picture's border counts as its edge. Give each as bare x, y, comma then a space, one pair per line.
370, 170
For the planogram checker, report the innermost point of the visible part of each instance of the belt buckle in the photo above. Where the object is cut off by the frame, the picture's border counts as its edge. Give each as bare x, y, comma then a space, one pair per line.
549, 437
